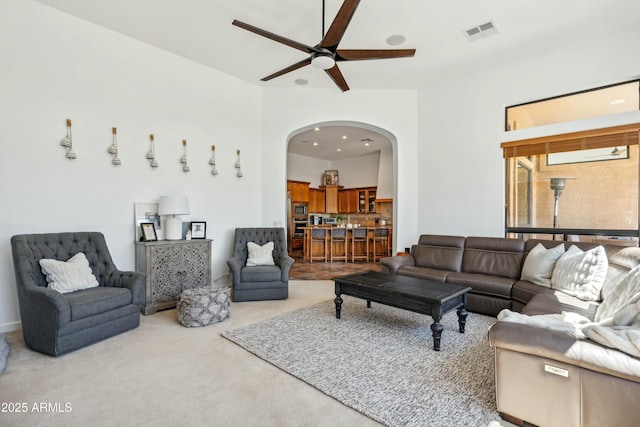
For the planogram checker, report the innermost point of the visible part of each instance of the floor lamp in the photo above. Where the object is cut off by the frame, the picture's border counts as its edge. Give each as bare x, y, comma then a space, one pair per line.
557, 185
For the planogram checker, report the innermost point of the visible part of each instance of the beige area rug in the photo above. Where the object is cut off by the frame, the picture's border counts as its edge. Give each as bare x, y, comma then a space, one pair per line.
380, 361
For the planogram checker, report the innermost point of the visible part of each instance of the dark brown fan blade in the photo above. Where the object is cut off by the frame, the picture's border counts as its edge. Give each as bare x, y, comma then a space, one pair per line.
363, 54
339, 24
337, 78
288, 69
292, 43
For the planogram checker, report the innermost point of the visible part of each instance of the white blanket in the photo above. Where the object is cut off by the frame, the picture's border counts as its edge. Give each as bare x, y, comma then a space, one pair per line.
617, 322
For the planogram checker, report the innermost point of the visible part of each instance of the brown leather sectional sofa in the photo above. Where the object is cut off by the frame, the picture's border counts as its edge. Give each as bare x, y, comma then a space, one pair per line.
544, 377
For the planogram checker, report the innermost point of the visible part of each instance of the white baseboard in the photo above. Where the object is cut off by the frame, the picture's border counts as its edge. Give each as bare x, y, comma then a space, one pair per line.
10, 327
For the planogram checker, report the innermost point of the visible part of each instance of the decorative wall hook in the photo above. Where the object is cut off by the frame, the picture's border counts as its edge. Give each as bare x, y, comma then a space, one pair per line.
113, 148
151, 154
183, 159
239, 174
212, 161
67, 142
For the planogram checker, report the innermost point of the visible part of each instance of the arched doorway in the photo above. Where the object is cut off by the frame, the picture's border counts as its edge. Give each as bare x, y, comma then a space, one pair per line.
364, 158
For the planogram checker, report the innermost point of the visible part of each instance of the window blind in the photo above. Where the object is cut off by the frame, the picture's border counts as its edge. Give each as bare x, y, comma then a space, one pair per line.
615, 136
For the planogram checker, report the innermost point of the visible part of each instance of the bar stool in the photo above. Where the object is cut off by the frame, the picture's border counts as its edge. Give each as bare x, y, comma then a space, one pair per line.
319, 237
380, 239
338, 239
360, 238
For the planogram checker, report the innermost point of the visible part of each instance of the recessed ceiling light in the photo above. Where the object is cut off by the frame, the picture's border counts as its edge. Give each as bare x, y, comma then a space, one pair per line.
315, 144
316, 129
339, 149
301, 82
366, 144
344, 136
617, 101
396, 40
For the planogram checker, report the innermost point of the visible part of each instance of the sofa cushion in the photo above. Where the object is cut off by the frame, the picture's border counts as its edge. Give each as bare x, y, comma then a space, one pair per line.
94, 301
439, 252
424, 273
483, 283
261, 273
581, 274
559, 302
539, 263
493, 255
524, 291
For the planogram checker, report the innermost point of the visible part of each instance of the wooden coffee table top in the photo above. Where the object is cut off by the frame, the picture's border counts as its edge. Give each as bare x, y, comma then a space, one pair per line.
426, 290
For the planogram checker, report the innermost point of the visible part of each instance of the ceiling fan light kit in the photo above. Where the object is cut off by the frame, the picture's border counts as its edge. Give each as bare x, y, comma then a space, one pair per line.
325, 55
323, 61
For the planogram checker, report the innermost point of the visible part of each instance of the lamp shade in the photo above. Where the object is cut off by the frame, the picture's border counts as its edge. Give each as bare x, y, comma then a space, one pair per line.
173, 205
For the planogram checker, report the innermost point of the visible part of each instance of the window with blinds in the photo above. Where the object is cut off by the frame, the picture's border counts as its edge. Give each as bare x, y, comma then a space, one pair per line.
576, 186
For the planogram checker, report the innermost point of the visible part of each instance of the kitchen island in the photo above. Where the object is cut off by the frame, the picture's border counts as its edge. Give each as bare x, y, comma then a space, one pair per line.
381, 244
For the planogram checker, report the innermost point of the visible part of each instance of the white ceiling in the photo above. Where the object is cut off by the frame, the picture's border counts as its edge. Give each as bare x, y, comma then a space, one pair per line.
201, 30
337, 142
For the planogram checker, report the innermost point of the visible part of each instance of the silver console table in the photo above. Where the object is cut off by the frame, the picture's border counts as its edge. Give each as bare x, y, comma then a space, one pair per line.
171, 267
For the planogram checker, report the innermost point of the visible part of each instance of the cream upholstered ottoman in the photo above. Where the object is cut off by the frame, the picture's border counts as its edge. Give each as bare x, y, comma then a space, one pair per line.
203, 306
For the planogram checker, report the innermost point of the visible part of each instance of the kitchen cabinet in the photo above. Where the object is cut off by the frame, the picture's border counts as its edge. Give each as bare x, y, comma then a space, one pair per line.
367, 200
299, 191
172, 266
331, 202
348, 201
316, 200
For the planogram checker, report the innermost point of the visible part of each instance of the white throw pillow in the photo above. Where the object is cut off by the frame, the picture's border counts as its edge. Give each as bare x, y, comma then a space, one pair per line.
260, 255
539, 264
581, 274
72, 275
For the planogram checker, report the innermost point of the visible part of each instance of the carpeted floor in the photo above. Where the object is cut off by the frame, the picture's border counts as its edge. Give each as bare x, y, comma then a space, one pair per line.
380, 361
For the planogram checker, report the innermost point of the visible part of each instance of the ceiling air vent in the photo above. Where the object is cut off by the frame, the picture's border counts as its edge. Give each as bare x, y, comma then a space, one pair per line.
481, 31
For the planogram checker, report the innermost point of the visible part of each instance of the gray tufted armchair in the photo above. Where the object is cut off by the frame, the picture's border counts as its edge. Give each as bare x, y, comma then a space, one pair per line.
55, 323
262, 282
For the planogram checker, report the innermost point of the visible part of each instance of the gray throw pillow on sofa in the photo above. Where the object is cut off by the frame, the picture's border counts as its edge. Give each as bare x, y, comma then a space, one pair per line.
539, 264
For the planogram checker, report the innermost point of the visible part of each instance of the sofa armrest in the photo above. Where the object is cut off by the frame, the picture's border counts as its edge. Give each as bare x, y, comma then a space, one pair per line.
133, 280
285, 266
393, 263
563, 347
44, 308
235, 265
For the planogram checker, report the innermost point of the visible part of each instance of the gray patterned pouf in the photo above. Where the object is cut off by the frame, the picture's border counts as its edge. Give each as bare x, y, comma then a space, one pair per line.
203, 306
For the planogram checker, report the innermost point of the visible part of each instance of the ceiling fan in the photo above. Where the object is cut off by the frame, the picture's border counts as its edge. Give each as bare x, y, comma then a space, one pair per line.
326, 55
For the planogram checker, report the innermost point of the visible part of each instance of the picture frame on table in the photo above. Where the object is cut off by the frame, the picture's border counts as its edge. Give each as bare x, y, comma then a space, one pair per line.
148, 232
146, 212
198, 230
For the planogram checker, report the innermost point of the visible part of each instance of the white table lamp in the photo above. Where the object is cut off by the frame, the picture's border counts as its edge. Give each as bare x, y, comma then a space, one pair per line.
171, 206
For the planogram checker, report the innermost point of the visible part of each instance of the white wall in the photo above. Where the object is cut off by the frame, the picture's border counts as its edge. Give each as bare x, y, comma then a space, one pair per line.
306, 169
461, 122
359, 171
353, 172
385, 174
56, 67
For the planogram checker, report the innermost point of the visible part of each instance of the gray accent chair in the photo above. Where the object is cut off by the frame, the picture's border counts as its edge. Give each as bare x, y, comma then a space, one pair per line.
55, 323
260, 282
